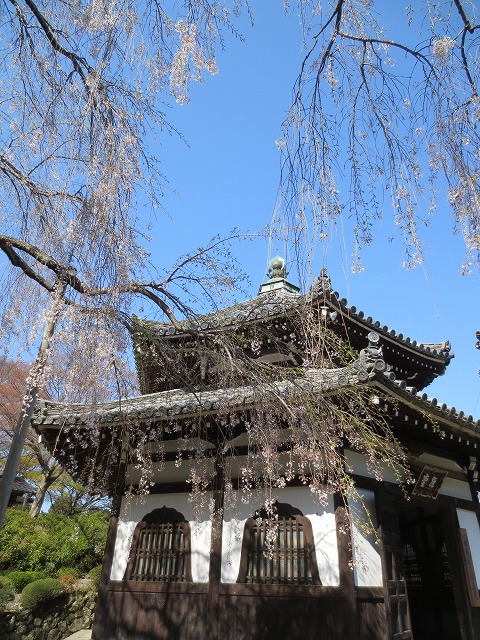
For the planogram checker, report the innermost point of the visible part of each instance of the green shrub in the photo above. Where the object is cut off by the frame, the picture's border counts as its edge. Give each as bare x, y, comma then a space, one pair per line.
71, 572
23, 542
95, 575
7, 592
51, 541
41, 592
20, 579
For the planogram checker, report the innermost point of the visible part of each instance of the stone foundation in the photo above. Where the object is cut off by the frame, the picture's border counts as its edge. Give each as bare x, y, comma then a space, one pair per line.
55, 622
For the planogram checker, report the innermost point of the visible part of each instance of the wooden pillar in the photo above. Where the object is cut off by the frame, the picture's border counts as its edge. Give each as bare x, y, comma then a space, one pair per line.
349, 622
102, 606
101, 615
215, 570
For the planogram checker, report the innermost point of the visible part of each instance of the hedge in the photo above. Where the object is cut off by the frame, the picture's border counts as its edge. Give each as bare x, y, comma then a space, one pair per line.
95, 574
41, 592
20, 579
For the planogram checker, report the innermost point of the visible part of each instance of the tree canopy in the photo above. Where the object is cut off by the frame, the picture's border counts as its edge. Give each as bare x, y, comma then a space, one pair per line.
384, 122
83, 91
38, 466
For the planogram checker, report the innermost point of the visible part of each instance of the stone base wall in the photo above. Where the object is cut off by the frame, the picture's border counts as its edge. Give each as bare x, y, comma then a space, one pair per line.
54, 622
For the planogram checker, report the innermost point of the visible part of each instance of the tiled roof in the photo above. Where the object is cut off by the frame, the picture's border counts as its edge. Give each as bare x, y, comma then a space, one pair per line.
21, 486
178, 404
271, 304
429, 405
279, 302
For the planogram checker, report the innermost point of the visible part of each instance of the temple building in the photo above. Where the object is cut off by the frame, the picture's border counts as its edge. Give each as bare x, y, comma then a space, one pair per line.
189, 557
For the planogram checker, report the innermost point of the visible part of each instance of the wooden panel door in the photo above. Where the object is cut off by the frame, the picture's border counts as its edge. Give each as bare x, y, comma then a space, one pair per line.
395, 585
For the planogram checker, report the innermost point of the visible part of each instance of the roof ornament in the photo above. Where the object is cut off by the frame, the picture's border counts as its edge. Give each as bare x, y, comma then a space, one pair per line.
323, 282
277, 272
370, 361
277, 268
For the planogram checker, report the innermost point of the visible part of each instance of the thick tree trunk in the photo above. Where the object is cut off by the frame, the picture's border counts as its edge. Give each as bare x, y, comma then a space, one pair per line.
47, 480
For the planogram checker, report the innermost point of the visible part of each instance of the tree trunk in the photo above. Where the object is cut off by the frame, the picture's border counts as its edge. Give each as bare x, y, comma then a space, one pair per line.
46, 482
23, 424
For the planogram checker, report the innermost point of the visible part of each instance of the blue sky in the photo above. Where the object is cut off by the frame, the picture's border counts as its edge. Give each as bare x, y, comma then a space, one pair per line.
228, 177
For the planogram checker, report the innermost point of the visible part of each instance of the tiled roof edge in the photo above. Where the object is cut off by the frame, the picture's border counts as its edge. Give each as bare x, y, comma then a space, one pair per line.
178, 403
430, 403
274, 303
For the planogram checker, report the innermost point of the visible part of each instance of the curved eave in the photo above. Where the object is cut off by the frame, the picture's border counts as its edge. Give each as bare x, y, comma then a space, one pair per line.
178, 404
440, 414
438, 352
267, 305
275, 304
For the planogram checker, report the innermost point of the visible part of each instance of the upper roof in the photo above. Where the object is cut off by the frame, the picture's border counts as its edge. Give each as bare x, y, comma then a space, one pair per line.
415, 361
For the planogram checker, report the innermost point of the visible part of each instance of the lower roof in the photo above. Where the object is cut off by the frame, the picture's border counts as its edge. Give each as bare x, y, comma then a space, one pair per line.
78, 433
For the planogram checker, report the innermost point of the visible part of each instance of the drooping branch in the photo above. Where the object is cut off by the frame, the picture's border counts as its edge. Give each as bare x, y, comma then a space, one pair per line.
463, 15
12, 172
148, 290
16, 261
465, 61
79, 63
409, 110
335, 16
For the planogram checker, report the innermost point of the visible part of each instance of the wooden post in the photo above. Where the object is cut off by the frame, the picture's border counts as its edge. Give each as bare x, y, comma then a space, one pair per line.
30, 401
215, 570
349, 625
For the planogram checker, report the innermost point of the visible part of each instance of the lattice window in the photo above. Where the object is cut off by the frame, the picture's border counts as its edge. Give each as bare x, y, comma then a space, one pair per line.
428, 572
160, 550
292, 559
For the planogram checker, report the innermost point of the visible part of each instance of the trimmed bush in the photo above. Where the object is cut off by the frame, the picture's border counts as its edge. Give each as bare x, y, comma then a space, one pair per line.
41, 592
20, 579
7, 592
95, 575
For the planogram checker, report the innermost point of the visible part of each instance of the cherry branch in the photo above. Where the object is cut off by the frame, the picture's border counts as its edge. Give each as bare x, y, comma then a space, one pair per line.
79, 63
8, 246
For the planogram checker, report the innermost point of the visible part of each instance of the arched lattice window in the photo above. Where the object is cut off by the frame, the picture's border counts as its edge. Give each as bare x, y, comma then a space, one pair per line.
160, 550
293, 559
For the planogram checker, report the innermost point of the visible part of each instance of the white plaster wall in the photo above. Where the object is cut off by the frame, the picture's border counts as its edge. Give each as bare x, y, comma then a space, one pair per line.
138, 507
357, 463
170, 471
323, 526
441, 463
367, 561
455, 489
468, 520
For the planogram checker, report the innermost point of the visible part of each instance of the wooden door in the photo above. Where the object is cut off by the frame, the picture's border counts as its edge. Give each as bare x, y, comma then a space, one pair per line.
427, 562
395, 585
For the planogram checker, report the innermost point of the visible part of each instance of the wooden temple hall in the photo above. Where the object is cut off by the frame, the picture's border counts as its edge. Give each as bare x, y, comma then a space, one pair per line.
174, 572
